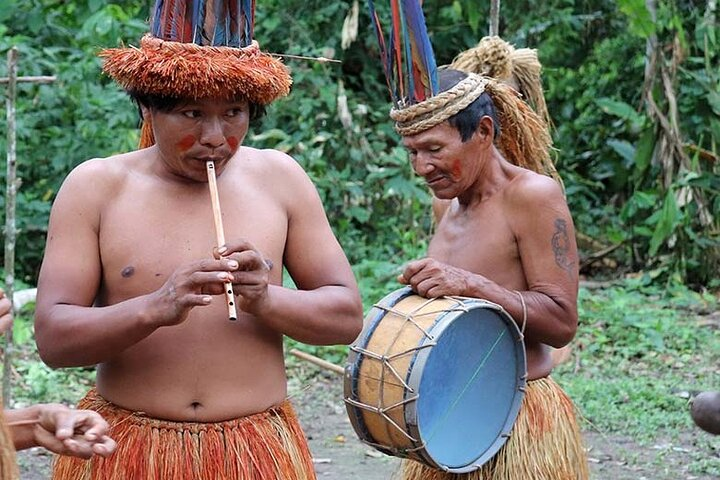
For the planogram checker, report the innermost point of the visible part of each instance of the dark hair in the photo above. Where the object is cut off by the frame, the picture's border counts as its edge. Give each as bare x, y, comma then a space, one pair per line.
165, 104
467, 120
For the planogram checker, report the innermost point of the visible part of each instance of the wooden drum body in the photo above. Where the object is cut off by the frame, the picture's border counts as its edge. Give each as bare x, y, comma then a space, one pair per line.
439, 381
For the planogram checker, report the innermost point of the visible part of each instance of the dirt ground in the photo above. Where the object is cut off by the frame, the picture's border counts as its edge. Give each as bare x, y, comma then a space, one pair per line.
339, 455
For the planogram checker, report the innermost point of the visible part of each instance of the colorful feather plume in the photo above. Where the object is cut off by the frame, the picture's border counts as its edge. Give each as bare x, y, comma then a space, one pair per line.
407, 56
222, 23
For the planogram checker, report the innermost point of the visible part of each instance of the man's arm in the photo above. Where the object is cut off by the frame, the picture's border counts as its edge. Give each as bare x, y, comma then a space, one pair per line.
69, 330
326, 308
545, 236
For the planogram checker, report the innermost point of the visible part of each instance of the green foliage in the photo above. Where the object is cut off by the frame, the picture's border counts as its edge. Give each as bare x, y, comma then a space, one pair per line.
35, 381
80, 116
335, 121
642, 351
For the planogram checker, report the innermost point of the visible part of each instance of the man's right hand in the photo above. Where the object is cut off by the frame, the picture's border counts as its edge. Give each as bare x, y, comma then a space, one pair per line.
191, 285
5, 312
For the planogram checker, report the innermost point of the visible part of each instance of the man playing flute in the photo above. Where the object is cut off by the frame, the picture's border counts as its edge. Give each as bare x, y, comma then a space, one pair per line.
133, 279
505, 235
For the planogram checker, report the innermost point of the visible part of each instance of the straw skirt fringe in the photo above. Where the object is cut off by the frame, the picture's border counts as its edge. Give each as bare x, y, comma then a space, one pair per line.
8, 463
545, 443
266, 446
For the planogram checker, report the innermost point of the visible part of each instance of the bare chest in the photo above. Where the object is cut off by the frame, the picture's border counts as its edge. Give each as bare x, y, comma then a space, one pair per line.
482, 243
147, 234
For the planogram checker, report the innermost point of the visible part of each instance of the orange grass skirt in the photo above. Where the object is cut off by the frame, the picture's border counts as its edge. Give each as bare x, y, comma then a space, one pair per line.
545, 443
8, 462
266, 446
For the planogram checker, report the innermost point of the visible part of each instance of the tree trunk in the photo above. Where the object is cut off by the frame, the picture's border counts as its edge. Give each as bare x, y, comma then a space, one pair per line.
495, 18
10, 196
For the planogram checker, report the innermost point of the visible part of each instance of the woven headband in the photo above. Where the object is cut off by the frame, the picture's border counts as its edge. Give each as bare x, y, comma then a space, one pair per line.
422, 116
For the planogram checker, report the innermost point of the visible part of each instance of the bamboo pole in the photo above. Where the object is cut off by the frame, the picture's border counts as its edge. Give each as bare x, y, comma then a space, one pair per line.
318, 361
11, 187
495, 18
38, 79
10, 232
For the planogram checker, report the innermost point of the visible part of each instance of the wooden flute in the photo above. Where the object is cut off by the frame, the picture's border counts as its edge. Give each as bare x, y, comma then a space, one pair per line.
220, 234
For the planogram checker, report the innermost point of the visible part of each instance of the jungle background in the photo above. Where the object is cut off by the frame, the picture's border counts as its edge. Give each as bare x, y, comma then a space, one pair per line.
633, 87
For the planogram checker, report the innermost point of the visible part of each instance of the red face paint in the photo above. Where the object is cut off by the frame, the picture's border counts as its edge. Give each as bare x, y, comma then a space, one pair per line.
233, 142
186, 143
456, 169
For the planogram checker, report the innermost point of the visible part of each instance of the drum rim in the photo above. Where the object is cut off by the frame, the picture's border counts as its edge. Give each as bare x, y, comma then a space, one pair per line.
436, 330
353, 365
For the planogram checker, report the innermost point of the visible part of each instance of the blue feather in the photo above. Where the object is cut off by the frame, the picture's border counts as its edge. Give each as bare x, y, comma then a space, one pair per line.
157, 14
421, 56
407, 57
204, 22
219, 30
247, 21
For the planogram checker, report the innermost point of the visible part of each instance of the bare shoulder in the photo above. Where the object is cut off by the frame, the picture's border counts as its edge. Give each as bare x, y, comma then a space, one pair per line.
277, 171
95, 182
98, 174
536, 190
268, 161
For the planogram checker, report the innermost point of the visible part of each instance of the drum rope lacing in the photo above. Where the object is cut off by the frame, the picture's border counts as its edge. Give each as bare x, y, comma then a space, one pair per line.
385, 360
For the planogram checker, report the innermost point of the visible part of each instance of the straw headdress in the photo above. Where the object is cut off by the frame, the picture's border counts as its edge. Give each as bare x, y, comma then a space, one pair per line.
494, 57
199, 49
409, 66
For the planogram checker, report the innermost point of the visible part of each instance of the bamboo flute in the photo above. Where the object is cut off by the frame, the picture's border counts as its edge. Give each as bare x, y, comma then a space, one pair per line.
220, 234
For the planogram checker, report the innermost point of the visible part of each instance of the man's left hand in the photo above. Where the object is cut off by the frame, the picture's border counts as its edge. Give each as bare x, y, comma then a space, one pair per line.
430, 278
250, 280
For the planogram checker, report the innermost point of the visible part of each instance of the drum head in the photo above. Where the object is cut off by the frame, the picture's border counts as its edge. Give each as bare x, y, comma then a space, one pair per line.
471, 385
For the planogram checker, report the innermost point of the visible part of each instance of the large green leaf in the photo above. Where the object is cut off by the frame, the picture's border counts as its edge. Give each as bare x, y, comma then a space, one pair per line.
641, 22
668, 219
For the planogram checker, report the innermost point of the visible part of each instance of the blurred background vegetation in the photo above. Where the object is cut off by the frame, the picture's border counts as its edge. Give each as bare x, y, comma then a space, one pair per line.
633, 87
633, 94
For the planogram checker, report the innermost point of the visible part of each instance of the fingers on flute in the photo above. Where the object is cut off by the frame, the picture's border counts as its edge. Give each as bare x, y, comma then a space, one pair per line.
219, 265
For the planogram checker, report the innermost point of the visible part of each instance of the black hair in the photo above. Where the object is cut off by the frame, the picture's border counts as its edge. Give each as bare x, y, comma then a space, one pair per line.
166, 103
467, 120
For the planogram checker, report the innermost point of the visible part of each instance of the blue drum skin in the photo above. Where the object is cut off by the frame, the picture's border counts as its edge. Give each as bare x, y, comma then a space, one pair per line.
466, 381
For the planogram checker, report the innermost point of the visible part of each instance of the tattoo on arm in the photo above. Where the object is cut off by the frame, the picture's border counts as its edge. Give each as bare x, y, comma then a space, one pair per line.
561, 246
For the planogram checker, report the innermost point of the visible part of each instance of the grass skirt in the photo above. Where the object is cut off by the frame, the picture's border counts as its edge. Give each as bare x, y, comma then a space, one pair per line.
8, 463
545, 443
266, 446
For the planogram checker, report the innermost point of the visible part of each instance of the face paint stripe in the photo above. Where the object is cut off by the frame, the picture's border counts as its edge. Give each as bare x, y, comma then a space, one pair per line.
186, 143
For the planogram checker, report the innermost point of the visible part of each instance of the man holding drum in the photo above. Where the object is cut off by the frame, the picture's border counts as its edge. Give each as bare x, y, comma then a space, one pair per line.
519, 68
133, 279
507, 237
505, 234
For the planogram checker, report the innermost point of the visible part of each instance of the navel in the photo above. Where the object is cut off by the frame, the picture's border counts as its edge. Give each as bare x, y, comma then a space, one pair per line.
128, 271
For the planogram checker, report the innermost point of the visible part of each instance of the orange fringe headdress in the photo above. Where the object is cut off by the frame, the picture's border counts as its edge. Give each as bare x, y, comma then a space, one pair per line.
199, 49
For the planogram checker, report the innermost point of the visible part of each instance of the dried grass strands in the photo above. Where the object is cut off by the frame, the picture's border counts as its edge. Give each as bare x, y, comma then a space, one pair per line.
267, 445
545, 443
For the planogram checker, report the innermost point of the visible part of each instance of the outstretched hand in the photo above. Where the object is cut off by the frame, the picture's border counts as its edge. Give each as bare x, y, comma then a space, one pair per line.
250, 280
80, 433
431, 278
5, 313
